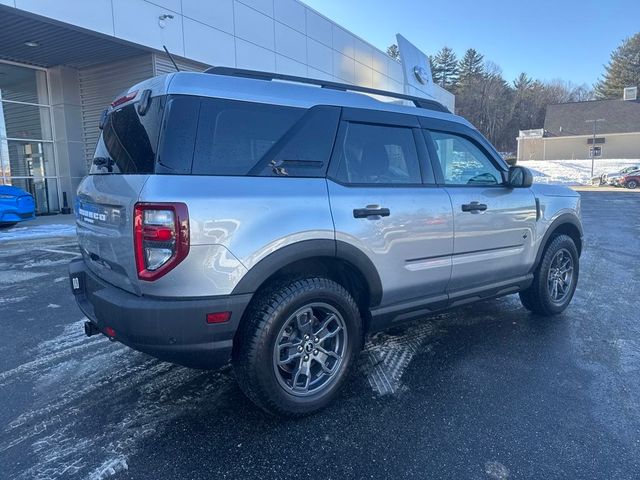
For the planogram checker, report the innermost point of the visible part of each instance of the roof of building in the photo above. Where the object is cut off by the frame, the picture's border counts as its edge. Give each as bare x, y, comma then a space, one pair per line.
567, 119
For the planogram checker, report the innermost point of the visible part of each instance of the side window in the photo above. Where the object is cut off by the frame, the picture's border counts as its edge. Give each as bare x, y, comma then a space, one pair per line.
373, 154
305, 150
233, 136
462, 162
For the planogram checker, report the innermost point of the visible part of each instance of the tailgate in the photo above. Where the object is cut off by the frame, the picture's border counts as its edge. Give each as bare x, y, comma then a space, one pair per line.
104, 219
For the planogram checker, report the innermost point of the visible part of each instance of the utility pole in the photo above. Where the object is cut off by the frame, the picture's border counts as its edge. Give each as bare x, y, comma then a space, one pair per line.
593, 142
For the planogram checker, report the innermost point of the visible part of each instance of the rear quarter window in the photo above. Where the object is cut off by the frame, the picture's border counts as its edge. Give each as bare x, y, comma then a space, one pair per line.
234, 136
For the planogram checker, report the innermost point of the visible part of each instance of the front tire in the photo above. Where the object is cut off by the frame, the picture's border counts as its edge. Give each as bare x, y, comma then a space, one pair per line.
297, 345
555, 279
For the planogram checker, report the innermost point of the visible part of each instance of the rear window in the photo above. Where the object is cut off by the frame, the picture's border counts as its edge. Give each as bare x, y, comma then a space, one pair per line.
129, 141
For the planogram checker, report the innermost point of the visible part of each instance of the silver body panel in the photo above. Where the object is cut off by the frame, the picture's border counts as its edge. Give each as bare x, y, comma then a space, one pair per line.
104, 225
411, 248
249, 217
496, 244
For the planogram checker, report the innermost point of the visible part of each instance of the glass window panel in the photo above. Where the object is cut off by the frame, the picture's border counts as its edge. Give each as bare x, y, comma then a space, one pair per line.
379, 154
23, 84
462, 162
29, 159
25, 121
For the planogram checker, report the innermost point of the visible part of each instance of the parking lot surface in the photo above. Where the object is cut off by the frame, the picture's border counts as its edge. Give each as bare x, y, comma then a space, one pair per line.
483, 391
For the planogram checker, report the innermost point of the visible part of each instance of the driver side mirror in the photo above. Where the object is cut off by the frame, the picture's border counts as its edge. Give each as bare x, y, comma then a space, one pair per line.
519, 177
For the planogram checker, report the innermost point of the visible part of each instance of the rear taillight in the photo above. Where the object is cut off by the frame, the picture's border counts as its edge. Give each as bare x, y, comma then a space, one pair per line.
161, 238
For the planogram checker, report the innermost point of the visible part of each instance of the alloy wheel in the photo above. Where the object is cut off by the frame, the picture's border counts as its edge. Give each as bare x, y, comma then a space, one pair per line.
309, 349
560, 276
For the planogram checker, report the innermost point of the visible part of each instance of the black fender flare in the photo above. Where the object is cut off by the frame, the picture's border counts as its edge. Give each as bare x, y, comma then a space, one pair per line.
563, 219
308, 249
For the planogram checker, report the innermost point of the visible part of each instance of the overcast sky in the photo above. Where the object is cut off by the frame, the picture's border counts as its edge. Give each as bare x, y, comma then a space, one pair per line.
570, 40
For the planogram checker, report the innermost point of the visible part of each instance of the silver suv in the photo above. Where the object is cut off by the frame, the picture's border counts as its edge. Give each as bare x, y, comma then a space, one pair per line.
274, 221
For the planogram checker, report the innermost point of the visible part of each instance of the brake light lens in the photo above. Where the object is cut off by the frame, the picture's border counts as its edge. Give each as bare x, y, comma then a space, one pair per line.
161, 238
124, 99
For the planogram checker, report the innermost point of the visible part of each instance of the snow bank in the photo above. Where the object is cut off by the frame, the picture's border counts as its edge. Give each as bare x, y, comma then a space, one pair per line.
26, 232
572, 172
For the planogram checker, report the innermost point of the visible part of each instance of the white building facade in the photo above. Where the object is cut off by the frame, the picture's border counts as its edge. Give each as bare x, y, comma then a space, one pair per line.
62, 62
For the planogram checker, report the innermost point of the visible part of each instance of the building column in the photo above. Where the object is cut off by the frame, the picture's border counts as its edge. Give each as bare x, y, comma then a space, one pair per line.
67, 128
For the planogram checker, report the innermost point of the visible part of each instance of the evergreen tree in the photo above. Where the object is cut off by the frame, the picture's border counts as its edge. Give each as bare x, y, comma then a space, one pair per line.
470, 66
623, 70
393, 51
522, 84
444, 68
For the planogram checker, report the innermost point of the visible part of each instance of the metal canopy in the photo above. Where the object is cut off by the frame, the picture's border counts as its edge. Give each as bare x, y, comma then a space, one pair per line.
58, 44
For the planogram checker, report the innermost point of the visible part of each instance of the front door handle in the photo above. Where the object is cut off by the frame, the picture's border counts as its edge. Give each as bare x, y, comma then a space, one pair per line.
474, 207
371, 211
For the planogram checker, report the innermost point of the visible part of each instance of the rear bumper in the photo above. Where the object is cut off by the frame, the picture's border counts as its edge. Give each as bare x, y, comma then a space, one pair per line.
173, 330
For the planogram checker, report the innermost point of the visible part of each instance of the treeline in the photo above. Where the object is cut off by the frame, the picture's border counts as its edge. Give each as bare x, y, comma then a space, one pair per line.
497, 107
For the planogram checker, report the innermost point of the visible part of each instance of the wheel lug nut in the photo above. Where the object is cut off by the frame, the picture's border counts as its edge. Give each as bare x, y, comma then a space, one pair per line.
316, 339
306, 357
300, 348
315, 352
306, 337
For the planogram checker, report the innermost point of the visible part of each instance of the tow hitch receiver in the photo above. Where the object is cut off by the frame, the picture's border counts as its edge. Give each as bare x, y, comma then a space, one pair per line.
90, 329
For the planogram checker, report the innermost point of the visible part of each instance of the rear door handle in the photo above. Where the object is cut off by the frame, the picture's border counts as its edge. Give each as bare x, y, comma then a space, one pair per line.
371, 211
474, 207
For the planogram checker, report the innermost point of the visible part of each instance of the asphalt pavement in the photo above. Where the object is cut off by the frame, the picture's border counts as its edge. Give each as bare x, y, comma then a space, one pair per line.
484, 391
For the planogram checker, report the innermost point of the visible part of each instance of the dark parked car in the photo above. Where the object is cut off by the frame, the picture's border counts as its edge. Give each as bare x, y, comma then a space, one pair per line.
16, 205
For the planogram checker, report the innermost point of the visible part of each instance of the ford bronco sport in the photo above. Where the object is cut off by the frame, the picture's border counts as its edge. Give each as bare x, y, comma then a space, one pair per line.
274, 221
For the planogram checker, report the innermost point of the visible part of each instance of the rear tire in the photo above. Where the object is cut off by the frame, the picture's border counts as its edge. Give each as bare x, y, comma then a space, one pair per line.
8, 224
555, 279
632, 184
297, 345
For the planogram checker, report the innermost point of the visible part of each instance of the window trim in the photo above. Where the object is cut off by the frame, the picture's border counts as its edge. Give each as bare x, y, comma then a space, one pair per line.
437, 167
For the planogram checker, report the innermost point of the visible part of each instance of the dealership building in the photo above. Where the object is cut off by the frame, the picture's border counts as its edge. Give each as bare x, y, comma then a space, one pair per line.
606, 129
62, 62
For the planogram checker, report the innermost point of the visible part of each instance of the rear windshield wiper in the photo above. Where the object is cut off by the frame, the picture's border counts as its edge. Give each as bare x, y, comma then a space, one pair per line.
104, 162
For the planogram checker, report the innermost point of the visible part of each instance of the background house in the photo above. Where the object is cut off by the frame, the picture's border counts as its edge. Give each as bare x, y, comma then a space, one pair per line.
62, 62
568, 131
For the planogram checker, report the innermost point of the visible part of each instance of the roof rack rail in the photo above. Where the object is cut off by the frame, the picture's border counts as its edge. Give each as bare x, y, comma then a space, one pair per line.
239, 72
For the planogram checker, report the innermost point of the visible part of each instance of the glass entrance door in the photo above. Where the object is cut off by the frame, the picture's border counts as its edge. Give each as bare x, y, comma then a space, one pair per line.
26, 139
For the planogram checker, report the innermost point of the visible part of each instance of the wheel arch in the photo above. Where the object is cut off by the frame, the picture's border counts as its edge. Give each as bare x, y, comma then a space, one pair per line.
567, 224
337, 260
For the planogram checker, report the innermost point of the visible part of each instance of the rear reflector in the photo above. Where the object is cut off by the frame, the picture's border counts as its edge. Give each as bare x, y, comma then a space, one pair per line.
110, 332
218, 317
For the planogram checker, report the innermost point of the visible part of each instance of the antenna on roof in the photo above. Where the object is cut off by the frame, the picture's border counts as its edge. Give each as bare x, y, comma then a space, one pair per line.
171, 58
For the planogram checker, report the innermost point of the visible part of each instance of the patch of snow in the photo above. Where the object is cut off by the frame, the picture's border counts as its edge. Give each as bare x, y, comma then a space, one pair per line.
385, 357
53, 305
60, 279
9, 277
78, 381
109, 467
572, 172
496, 470
37, 231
